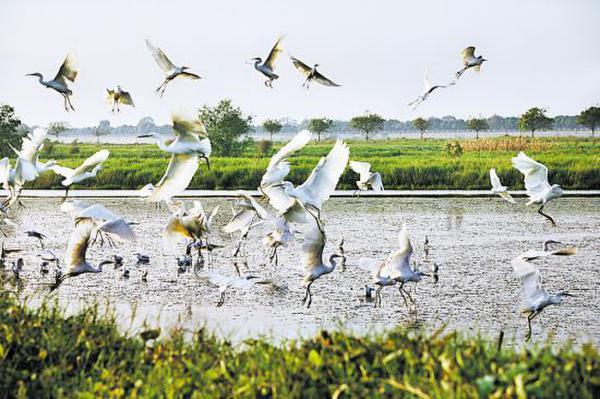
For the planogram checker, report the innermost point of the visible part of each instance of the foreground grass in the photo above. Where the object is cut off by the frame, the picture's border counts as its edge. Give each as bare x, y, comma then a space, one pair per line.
404, 164
45, 354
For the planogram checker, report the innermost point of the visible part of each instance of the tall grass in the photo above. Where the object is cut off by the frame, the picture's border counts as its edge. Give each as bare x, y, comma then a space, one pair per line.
44, 353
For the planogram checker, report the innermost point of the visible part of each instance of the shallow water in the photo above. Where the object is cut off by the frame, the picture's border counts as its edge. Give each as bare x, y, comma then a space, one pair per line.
472, 239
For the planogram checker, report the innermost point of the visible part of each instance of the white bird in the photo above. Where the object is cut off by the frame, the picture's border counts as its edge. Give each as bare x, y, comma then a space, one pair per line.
312, 262
118, 96
49, 256
379, 276
66, 72
190, 143
248, 215
534, 297
546, 251
312, 74
88, 169
470, 61
168, 68
227, 282
498, 188
536, 183
428, 89
367, 178
8, 181
31, 167
267, 68
279, 236
75, 256
192, 224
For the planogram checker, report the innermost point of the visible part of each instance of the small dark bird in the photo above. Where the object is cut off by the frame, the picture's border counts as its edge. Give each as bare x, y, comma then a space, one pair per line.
312, 74
436, 276
145, 276
369, 293
426, 247
39, 236
4, 252
17, 267
142, 259
44, 268
125, 274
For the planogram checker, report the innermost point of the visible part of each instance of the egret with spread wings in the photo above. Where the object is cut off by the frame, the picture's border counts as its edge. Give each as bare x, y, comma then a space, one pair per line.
118, 96
171, 71
498, 188
312, 74
267, 68
367, 178
470, 61
88, 169
429, 88
67, 72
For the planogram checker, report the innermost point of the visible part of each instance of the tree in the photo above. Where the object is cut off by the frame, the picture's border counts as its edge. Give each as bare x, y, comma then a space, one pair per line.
9, 133
272, 126
534, 119
227, 128
589, 118
319, 125
477, 124
57, 128
103, 129
421, 125
367, 123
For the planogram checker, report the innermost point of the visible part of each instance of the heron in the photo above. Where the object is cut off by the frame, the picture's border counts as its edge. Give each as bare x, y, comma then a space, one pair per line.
28, 156
17, 268
312, 262
142, 259
267, 68
470, 61
312, 74
534, 297
379, 276
118, 96
75, 256
546, 251
498, 188
87, 170
168, 68
428, 89
145, 276
367, 178
36, 234
536, 183
228, 282
279, 236
67, 72
248, 215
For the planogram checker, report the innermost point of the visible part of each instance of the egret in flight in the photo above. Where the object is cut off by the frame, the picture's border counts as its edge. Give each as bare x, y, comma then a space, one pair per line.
498, 188
536, 183
118, 96
470, 61
267, 68
312, 74
88, 169
279, 236
227, 282
367, 178
168, 67
67, 72
546, 251
429, 88
248, 215
534, 297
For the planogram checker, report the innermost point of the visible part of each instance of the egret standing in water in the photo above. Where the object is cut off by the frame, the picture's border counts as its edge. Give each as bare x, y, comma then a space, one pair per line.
267, 68
312, 74
498, 188
88, 169
168, 67
59, 84
470, 61
379, 276
536, 183
118, 96
367, 178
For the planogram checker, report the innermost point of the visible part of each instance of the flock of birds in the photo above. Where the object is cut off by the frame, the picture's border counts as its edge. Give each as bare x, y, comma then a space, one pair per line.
289, 205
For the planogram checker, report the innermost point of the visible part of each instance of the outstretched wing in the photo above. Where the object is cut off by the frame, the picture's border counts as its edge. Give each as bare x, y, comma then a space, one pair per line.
377, 182
468, 53
324, 81
189, 75
362, 168
177, 178
536, 174
399, 261
240, 221
67, 71
78, 244
275, 51
301, 66
4, 172
125, 98
118, 227
314, 243
98, 212
160, 57
32, 143
92, 161
495, 180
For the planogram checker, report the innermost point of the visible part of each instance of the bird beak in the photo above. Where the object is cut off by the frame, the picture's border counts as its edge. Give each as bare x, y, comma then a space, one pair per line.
30, 74
426, 274
141, 136
567, 294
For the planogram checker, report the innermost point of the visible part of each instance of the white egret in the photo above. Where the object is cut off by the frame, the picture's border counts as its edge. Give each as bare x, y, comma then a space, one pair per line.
28, 155
279, 236
88, 169
536, 183
367, 178
379, 276
498, 188
118, 96
59, 84
267, 68
546, 251
228, 282
470, 61
168, 68
428, 89
534, 297
248, 215
312, 74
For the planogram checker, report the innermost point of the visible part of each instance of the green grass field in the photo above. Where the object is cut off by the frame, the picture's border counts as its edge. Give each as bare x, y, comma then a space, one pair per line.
46, 354
404, 164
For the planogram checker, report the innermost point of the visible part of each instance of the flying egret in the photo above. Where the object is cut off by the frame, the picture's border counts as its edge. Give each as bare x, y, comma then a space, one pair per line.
168, 67
429, 88
248, 215
66, 72
36, 234
498, 188
546, 251
535, 297
228, 282
367, 178
312, 74
470, 61
312, 262
267, 68
88, 169
118, 96
536, 183
379, 276
75, 256
28, 155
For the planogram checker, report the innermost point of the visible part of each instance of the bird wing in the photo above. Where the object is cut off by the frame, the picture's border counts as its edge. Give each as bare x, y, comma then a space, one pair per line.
160, 57
313, 245
536, 174
377, 182
467, 53
125, 98
259, 209
189, 75
67, 71
324, 81
32, 143
296, 144
362, 168
98, 212
118, 227
495, 180
277, 48
92, 161
240, 221
212, 216
25, 171
78, 244
301, 66
505, 195
185, 127
399, 260
324, 177
5, 172
529, 275
371, 265
426, 82
74, 208
173, 231
62, 170
177, 178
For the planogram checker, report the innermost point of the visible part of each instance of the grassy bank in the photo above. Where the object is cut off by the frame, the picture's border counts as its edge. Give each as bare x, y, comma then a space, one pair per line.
404, 164
45, 354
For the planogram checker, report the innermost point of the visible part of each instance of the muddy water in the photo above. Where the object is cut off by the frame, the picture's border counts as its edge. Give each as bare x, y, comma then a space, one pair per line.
472, 239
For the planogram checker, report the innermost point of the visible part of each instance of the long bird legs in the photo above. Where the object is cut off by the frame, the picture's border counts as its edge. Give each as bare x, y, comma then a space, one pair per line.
530, 317
307, 296
546, 215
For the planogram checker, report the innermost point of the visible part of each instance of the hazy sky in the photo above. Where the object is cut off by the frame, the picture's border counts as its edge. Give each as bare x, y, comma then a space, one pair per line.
541, 53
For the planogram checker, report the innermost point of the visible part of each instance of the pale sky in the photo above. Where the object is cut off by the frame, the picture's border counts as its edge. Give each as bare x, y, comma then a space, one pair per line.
541, 53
